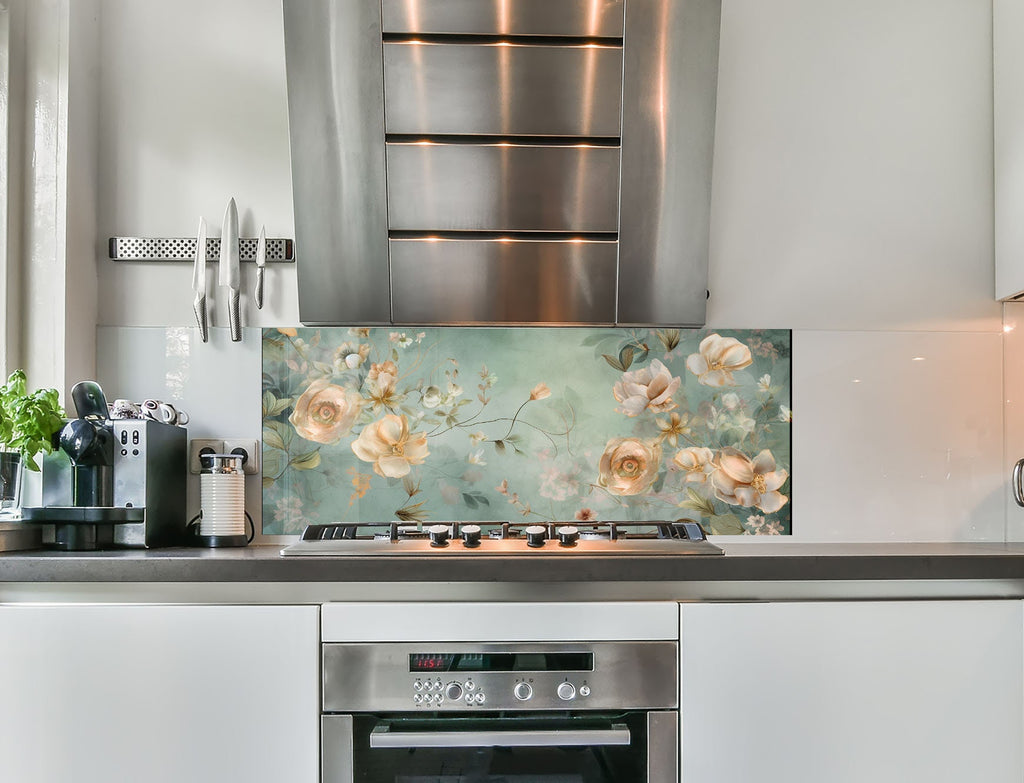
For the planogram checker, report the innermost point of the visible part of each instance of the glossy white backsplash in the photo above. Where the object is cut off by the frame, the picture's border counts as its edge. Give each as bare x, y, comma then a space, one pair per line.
216, 383
897, 436
1013, 393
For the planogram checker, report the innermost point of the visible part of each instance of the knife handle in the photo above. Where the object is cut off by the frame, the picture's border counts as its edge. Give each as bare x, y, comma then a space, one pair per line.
258, 294
234, 317
199, 306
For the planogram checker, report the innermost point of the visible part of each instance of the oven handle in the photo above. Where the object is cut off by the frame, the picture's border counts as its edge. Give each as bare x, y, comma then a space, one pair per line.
383, 737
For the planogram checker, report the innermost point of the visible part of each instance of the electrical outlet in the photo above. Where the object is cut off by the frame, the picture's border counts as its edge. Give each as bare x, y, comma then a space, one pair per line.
249, 449
199, 446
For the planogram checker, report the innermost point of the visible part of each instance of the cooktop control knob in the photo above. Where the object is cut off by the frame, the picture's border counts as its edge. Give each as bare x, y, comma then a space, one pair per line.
471, 535
453, 691
536, 535
568, 535
522, 691
438, 535
566, 691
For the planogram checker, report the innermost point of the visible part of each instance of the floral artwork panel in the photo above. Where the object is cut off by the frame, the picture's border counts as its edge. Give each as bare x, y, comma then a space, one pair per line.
527, 424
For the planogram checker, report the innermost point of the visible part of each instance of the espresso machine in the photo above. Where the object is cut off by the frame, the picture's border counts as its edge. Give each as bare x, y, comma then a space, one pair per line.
112, 483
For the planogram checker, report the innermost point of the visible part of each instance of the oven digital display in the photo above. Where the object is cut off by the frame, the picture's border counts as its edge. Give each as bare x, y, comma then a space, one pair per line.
502, 662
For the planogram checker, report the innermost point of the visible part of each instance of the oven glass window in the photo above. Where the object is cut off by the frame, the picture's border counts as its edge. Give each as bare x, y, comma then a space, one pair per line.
482, 759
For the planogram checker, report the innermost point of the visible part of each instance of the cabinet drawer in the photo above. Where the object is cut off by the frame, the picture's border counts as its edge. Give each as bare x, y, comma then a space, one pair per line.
511, 281
504, 17
502, 89
502, 187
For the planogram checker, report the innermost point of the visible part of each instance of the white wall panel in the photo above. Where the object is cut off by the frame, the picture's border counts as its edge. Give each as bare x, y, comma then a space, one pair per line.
897, 436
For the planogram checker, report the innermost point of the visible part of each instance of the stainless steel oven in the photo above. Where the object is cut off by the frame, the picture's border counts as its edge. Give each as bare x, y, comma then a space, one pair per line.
516, 712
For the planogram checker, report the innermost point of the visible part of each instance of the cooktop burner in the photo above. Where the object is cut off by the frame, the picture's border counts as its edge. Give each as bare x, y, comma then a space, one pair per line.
504, 538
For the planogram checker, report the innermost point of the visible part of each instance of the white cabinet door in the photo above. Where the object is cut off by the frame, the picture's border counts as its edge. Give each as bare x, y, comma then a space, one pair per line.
1008, 119
881, 692
161, 694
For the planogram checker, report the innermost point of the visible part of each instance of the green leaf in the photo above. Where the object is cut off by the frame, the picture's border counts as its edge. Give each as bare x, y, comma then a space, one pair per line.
668, 337
274, 463
499, 446
725, 525
28, 421
271, 436
698, 502
469, 500
626, 357
306, 461
614, 362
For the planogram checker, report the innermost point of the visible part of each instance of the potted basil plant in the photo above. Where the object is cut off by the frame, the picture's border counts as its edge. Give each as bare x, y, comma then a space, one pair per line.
28, 423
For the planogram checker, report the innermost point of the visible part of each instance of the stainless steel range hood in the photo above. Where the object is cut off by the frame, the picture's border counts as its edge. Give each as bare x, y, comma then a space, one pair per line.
502, 161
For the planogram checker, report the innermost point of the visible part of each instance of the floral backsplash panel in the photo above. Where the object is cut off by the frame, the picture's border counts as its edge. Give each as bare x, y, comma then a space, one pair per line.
536, 424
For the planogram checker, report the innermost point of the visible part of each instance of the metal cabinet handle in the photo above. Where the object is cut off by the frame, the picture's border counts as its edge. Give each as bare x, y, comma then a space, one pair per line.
1018, 488
383, 737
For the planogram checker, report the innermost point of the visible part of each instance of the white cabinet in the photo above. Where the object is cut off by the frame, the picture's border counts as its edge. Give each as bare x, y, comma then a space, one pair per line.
887, 692
1008, 128
161, 694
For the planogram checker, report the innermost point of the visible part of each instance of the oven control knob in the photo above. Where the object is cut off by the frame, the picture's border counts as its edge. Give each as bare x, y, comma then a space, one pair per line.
536, 535
438, 535
566, 691
522, 691
568, 535
471, 535
453, 691
584, 690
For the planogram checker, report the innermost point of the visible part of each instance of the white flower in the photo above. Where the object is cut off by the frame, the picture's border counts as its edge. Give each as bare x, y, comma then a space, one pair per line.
764, 383
400, 339
696, 462
476, 438
731, 401
785, 414
430, 397
741, 481
650, 387
454, 390
718, 359
476, 457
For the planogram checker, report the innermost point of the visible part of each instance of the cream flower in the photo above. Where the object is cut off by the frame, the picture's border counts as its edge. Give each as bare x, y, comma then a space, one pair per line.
629, 466
741, 481
540, 392
677, 426
651, 387
384, 374
325, 413
389, 445
718, 359
697, 462
430, 397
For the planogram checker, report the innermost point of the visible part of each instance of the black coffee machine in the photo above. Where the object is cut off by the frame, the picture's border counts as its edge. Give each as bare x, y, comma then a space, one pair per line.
112, 482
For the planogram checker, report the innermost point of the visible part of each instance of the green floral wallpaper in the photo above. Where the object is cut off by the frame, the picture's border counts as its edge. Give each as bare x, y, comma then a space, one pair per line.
546, 424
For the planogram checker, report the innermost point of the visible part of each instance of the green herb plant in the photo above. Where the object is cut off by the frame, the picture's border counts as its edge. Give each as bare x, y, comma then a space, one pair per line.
28, 421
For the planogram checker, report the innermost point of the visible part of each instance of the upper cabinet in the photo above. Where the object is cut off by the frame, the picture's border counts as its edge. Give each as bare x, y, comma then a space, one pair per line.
502, 161
1008, 108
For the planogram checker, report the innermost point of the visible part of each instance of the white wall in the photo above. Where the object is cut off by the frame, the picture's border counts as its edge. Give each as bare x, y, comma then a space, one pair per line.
852, 203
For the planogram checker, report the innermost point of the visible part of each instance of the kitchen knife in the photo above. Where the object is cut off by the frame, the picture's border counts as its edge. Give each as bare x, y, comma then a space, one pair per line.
229, 274
199, 281
261, 262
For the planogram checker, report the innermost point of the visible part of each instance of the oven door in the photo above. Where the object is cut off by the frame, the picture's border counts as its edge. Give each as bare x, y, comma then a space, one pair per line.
630, 747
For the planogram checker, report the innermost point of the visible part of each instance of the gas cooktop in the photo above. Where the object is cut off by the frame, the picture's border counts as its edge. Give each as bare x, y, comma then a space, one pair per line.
465, 539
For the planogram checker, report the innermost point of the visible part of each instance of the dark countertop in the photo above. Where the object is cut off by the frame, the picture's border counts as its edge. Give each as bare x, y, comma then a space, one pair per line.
743, 562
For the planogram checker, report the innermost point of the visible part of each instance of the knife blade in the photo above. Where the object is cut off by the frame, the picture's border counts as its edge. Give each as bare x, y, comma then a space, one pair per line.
261, 262
229, 273
199, 282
